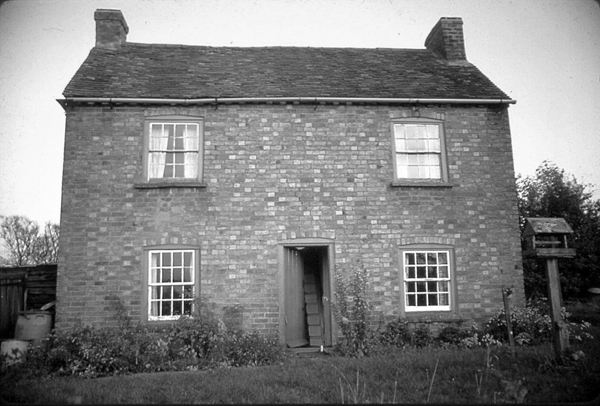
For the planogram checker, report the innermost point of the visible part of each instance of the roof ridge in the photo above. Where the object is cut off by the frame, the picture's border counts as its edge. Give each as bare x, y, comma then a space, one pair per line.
147, 45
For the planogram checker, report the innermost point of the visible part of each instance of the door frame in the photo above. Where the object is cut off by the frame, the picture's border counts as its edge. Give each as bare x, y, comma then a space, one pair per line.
328, 283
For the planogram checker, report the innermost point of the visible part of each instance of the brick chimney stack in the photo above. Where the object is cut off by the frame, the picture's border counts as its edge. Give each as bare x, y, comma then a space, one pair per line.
446, 39
111, 28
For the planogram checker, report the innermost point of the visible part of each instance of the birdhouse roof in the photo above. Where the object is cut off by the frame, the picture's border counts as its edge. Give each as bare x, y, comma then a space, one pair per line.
543, 225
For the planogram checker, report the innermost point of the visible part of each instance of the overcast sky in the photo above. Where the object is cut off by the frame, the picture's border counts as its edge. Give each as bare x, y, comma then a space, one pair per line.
543, 53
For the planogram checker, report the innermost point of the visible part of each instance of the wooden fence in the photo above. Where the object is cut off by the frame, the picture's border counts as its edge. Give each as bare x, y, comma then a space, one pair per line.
24, 288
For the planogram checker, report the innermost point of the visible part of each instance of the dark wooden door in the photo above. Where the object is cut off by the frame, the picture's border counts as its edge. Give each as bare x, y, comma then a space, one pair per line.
12, 295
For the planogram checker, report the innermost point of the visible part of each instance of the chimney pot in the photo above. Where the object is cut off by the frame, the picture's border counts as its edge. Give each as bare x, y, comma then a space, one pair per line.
446, 39
111, 28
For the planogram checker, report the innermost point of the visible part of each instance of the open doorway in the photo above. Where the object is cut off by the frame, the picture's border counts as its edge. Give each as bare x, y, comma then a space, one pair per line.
307, 279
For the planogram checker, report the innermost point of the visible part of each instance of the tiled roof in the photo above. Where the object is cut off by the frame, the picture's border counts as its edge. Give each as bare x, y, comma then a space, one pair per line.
178, 71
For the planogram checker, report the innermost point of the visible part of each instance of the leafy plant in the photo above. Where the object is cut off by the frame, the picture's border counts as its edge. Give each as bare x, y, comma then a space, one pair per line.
397, 334
188, 344
351, 312
532, 325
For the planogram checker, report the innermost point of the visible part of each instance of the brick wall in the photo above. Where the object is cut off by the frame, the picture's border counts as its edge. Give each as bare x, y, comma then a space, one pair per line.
277, 172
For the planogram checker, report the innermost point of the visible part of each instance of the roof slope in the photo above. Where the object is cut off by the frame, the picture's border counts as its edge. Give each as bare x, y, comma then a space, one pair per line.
180, 71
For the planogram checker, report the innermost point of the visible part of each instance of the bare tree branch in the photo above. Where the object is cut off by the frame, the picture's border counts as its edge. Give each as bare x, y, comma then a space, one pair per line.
25, 245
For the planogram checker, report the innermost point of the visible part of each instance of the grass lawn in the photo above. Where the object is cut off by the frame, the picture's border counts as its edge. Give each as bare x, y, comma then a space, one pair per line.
431, 375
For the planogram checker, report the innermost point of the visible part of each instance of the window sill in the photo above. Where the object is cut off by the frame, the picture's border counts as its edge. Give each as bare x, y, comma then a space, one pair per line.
432, 184
170, 184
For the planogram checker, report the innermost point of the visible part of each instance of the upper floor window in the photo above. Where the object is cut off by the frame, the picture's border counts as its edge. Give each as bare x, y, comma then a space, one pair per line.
174, 148
419, 153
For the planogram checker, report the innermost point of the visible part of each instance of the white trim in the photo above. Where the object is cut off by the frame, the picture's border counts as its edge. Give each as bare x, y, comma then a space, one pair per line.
183, 283
406, 280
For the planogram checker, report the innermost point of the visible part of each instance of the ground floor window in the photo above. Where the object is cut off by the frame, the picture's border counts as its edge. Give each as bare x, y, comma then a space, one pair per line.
172, 283
426, 279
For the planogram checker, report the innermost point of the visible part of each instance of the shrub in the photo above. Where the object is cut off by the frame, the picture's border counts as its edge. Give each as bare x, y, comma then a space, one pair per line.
397, 334
532, 325
451, 335
422, 336
351, 312
196, 343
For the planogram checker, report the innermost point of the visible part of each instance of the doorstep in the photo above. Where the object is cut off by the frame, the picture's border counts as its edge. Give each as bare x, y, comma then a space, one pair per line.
310, 351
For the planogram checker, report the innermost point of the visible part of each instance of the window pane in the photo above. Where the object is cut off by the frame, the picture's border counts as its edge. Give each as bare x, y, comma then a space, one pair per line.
187, 274
421, 272
155, 292
187, 259
177, 274
165, 309
410, 287
443, 271
433, 131
154, 308
411, 300
177, 259
166, 275
177, 292
433, 300
411, 272
413, 172
431, 286
443, 257
421, 258
424, 172
432, 272
191, 137
179, 171
167, 292
435, 172
421, 286
421, 300
177, 308
443, 285
188, 292
434, 146
431, 258
444, 300
410, 259
401, 145
187, 307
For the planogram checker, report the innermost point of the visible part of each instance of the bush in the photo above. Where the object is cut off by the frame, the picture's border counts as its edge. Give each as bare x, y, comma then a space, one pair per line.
188, 344
532, 325
397, 334
351, 312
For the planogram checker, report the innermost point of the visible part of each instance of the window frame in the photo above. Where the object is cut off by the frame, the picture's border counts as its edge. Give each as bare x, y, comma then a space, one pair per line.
148, 182
146, 285
452, 306
443, 181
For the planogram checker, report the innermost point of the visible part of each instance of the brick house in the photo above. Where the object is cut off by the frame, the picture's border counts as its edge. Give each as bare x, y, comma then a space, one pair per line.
248, 177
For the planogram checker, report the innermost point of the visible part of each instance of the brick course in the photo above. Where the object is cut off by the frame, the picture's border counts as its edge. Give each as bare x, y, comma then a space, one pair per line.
278, 172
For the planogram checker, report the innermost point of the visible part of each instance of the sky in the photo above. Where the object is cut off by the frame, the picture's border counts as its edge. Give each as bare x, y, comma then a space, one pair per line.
543, 53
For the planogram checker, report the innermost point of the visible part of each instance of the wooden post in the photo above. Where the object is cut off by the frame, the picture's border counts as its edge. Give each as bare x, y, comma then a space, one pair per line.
559, 330
506, 297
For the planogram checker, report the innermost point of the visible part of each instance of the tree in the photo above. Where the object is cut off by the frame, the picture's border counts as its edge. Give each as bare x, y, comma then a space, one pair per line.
26, 244
551, 192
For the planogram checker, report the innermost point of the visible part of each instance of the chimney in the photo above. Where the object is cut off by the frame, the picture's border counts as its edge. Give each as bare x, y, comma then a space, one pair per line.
446, 39
111, 28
